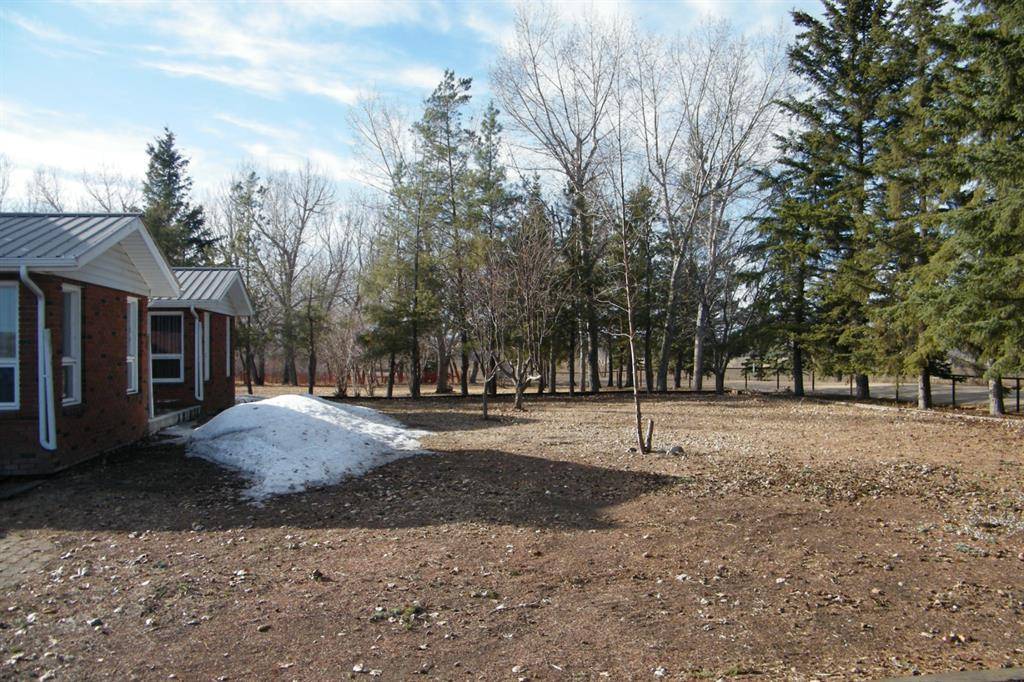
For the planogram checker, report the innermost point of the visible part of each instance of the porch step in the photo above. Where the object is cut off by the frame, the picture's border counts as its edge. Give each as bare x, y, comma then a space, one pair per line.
162, 421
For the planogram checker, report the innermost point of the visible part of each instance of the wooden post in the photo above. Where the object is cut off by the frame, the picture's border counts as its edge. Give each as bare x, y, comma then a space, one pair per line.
776, 379
1018, 387
851, 385
812, 380
1018, 394
953, 384
897, 388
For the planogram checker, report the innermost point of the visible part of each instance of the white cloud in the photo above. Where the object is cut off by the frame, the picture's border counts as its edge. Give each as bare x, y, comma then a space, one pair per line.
489, 28
263, 129
371, 13
338, 168
274, 49
34, 137
50, 34
425, 77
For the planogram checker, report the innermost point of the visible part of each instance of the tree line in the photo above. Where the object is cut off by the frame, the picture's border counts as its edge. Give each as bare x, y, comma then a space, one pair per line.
851, 202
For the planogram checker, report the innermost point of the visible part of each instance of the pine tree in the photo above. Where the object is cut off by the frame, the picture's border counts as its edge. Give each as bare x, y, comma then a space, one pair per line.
446, 146
490, 204
244, 215
178, 227
975, 292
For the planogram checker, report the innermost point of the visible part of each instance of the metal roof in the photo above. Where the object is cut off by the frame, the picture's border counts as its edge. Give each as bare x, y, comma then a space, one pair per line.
199, 283
48, 237
80, 245
213, 288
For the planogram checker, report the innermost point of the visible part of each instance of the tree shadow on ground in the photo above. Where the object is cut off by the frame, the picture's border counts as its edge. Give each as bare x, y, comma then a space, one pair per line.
160, 489
440, 420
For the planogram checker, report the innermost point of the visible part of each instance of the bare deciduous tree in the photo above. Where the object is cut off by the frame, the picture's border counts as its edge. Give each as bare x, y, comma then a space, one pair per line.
5, 179
111, 191
298, 205
45, 191
555, 82
707, 105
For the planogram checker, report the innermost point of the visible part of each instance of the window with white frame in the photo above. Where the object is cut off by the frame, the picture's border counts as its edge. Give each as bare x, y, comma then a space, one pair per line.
206, 346
8, 345
71, 344
229, 352
167, 347
132, 351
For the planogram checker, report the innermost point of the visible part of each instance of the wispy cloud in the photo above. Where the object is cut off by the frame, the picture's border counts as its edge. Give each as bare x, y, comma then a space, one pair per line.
488, 27
275, 49
35, 137
339, 168
263, 129
50, 34
425, 77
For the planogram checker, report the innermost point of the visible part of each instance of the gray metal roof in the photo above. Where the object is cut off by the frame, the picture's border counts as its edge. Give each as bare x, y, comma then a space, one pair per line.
80, 245
204, 283
50, 238
214, 288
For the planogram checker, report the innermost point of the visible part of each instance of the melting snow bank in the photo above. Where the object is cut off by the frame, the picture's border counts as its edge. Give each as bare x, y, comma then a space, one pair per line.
293, 442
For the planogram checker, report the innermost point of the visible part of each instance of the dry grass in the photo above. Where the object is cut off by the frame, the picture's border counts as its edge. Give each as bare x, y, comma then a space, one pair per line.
790, 541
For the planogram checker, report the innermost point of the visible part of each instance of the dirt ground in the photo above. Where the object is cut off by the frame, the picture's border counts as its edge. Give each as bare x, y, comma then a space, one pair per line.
789, 540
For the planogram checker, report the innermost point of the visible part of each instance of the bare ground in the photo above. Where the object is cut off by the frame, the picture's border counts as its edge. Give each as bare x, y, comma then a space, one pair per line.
790, 541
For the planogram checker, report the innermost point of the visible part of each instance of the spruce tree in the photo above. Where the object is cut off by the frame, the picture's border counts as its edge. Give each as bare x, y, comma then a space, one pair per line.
911, 163
178, 227
845, 63
975, 292
790, 249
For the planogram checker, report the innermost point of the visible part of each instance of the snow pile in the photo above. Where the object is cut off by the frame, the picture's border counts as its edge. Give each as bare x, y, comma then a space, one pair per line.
292, 442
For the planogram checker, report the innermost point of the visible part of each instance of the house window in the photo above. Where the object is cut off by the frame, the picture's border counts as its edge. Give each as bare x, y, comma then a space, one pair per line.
8, 345
229, 352
206, 346
71, 345
167, 346
132, 352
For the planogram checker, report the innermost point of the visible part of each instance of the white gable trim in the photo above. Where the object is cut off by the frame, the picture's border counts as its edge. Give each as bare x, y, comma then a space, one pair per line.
135, 241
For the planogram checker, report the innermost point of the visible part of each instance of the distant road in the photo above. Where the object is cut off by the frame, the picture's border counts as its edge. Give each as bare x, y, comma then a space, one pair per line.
942, 394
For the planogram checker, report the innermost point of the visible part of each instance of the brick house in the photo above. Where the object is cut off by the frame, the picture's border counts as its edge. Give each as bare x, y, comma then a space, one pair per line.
74, 346
191, 348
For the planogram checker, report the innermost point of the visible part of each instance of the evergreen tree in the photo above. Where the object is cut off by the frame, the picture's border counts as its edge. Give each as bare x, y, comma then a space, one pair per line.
443, 170
491, 203
974, 294
911, 163
244, 215
791, 251
178, 227
845, 61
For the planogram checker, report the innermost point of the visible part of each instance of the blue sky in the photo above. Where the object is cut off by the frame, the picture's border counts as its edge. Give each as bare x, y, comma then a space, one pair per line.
85, 85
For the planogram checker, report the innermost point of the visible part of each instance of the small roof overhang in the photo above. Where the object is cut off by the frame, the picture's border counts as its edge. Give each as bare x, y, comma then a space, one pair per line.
216, 289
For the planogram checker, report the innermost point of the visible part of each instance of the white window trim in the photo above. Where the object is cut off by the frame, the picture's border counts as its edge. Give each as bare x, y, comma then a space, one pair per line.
206, 346
73, 361
180, 357
229, 352
132, 350
15, 361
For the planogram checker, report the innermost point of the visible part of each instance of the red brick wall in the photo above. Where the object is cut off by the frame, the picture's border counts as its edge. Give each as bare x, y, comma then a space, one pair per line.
219, 388
107, 416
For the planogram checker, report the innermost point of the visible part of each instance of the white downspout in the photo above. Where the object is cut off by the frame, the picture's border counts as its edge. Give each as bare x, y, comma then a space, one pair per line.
149, 354
197, 366
44, 367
